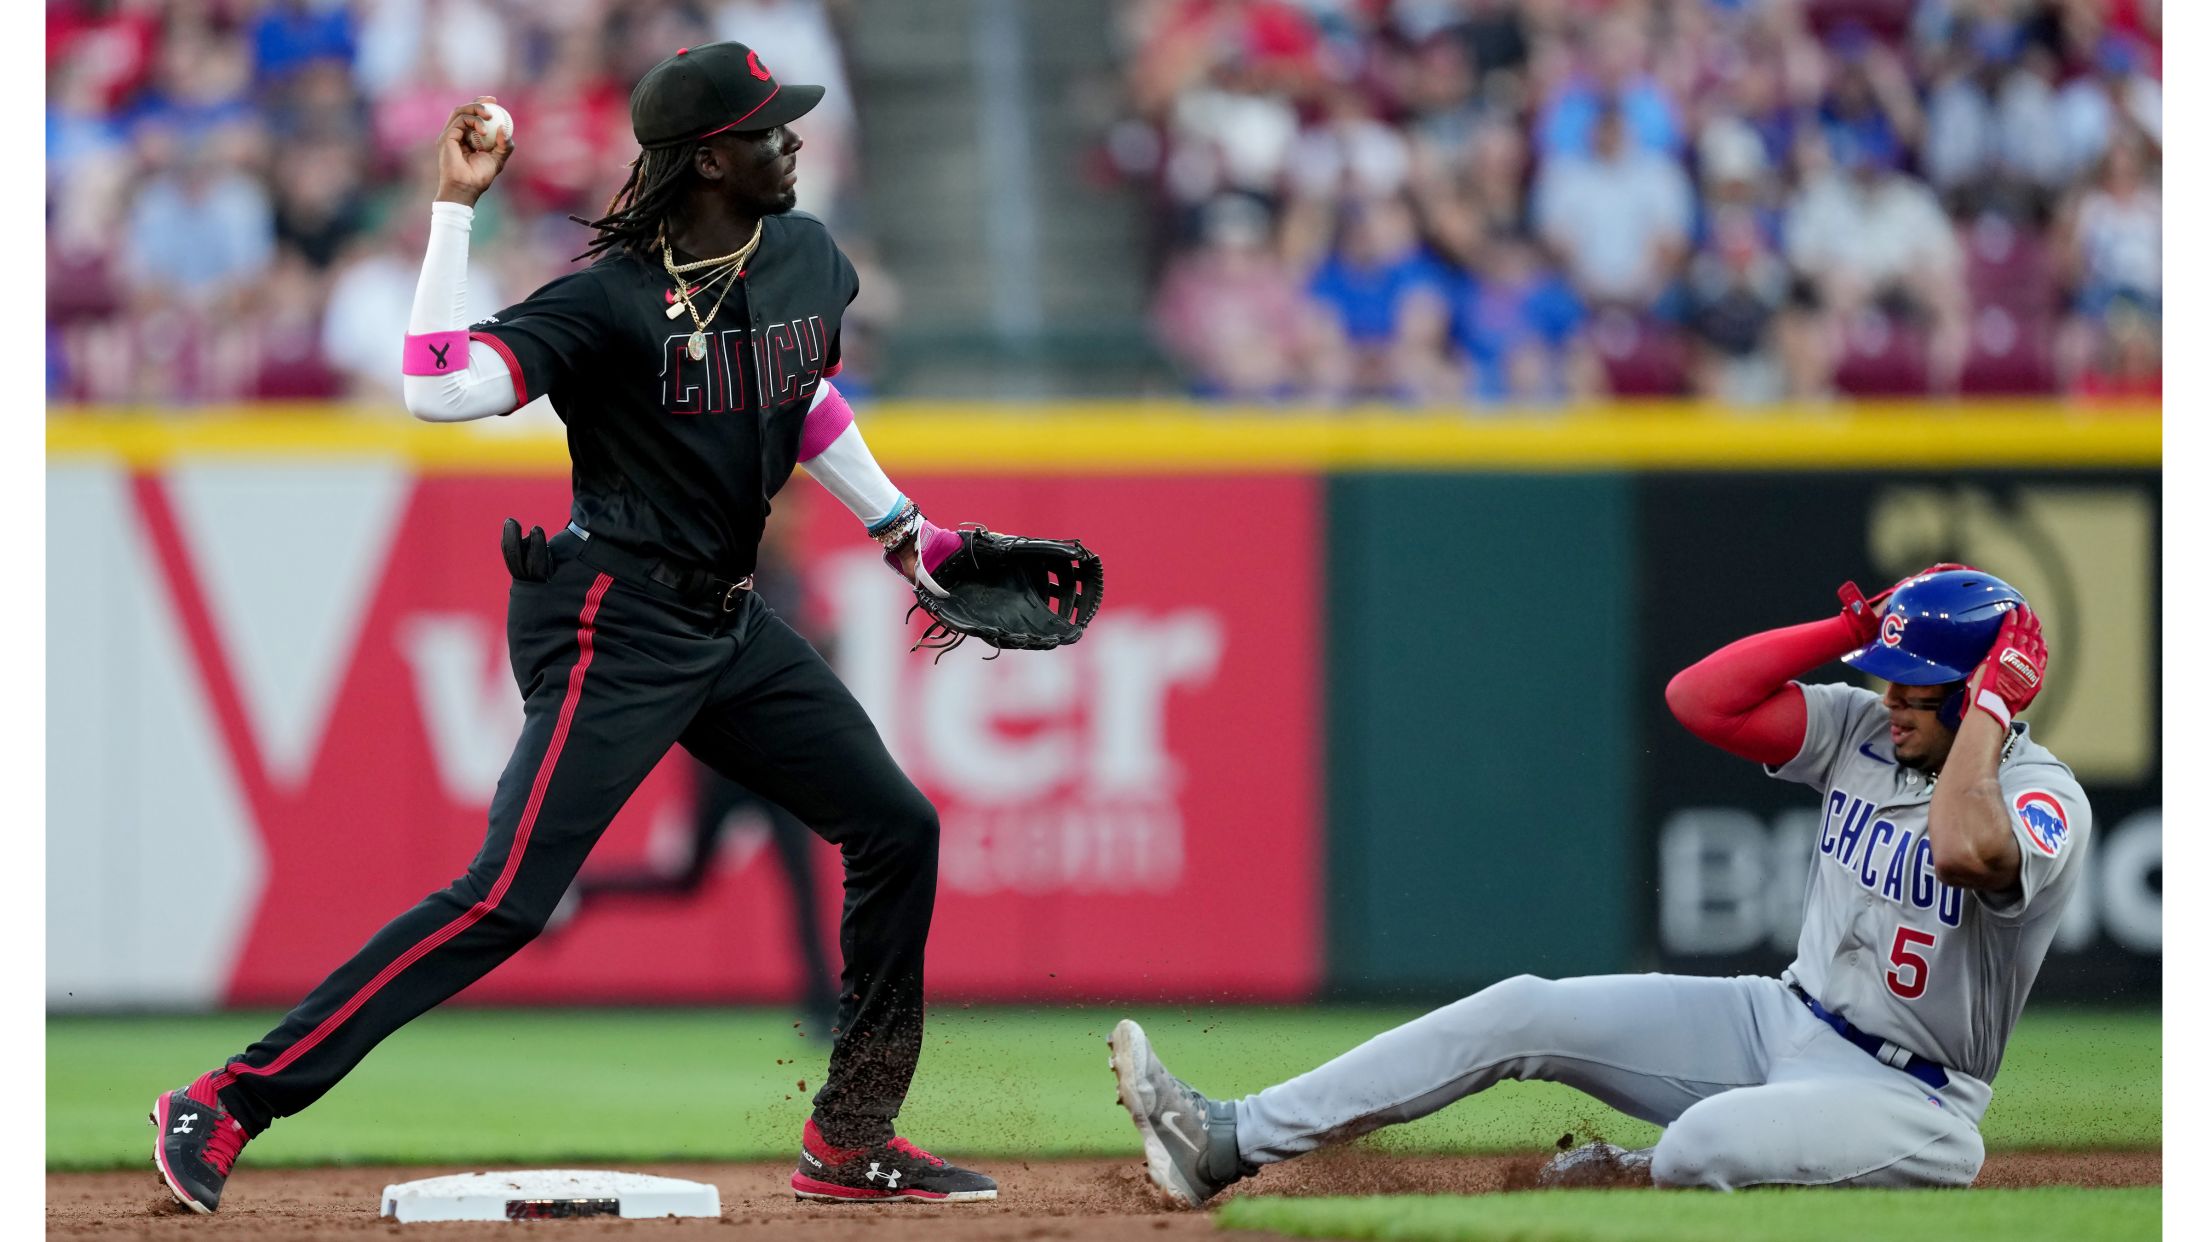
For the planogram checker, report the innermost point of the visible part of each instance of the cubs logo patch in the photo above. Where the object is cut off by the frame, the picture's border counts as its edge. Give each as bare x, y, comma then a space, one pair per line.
2044, 821
1889, 629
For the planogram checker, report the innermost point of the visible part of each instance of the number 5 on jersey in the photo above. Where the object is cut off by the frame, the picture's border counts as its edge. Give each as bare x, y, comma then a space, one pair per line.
1907, 939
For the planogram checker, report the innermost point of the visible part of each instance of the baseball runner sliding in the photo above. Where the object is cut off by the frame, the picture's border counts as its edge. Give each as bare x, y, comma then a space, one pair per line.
692, 365
1951, 843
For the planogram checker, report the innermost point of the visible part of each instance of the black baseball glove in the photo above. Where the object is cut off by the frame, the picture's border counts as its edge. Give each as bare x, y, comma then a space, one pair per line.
1010, 592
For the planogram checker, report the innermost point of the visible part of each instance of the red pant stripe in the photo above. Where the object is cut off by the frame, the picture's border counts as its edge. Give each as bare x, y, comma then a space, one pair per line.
584, 642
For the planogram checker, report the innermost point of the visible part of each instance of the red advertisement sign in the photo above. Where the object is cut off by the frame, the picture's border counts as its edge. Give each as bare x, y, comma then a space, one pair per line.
1133, 817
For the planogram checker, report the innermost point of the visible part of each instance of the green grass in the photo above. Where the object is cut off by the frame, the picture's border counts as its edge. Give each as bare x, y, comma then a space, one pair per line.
488, 1085
2059, 1214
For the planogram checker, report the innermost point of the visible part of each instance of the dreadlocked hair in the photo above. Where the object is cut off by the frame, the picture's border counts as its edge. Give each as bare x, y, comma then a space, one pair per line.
636, 215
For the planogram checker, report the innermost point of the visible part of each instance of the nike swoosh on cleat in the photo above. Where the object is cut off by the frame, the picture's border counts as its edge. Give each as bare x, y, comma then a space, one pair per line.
1171, 1121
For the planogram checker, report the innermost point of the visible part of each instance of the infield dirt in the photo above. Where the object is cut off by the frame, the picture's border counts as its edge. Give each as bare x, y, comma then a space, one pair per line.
1075, 1200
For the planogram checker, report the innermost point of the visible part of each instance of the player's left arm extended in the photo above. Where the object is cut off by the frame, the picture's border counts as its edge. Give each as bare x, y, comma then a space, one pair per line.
1973, 841
835, 454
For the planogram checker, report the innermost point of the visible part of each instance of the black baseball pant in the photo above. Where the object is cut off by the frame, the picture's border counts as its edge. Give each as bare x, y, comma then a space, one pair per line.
718, 800
614, 669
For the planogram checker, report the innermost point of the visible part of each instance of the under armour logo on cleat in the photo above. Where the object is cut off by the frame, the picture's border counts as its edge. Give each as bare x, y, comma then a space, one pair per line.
874, 1174
184, 1123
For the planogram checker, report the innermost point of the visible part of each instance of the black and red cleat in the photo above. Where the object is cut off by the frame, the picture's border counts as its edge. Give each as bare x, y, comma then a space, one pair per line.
889, 1173
196, 1143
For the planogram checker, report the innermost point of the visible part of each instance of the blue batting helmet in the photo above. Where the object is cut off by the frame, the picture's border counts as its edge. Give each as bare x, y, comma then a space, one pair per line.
1937, 628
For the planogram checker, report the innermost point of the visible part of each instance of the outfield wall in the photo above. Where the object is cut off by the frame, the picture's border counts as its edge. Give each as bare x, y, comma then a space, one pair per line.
1373, 708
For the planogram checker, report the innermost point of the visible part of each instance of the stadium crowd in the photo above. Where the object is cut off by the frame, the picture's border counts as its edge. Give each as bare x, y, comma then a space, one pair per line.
1534, 201
1428, 201
237, 190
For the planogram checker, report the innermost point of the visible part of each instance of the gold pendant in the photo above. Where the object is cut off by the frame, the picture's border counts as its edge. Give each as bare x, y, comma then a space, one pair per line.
697, 347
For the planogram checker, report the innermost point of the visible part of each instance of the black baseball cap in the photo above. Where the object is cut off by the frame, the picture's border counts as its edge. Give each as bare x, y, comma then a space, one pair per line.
710, 89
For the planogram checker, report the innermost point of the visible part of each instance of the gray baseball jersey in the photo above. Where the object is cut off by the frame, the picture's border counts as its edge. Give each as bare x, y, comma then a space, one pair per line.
1751, 1087
1938, 970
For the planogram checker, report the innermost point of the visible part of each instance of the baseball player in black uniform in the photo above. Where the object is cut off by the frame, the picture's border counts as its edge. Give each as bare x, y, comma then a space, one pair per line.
691, 364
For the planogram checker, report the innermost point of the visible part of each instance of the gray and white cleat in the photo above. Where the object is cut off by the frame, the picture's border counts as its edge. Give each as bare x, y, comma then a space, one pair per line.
1187, 1140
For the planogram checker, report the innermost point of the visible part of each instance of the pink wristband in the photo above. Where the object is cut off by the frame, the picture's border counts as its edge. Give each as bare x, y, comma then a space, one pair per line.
936, 545
436, 353
823, 423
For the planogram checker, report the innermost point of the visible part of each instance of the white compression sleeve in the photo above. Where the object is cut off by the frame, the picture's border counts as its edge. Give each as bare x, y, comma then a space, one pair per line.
845, 466
485, 386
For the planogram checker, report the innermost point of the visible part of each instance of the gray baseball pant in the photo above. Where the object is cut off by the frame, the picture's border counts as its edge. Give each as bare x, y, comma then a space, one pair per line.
1752, 1088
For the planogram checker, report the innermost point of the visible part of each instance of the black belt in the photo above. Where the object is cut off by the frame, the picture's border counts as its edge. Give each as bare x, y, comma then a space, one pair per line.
696, 585
1931, 1073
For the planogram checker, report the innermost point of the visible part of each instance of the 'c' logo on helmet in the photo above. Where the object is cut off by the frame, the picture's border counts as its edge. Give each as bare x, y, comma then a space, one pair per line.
1889, 630
758, 70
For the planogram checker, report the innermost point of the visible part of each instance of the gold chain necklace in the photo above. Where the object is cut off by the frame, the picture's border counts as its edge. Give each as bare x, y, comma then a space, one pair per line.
731, 266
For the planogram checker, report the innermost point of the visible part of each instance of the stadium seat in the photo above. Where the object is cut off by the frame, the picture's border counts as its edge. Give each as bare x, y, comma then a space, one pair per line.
1886, 20
2007, 266
1883, 357
1642, 357
2010, 355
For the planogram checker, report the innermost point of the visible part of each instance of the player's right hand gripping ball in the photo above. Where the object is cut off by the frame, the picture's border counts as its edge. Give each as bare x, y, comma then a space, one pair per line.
1012, 593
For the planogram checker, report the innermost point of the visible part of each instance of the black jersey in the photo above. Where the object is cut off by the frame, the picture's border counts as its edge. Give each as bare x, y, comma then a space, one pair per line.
678, 457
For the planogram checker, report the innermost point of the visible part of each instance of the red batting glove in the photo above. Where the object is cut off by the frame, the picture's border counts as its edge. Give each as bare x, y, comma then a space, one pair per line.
2013, 671
1863, 614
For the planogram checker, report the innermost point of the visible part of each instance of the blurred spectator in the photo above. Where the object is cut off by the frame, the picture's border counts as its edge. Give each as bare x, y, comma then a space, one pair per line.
1736, 190
318, 202
1352, 153
1273, 46
2114, 238
1227, 135
1615, 82
2095, 107
2126, 358
284, 332
1383, 302
1737, 289
1229, 312
109, 43
201, 83
290, 35
1875, 251
1521, 327
237, 189
1445, 113
200, 228
1618, 217
1871, 105
2109, 246
578, 131
1487, 197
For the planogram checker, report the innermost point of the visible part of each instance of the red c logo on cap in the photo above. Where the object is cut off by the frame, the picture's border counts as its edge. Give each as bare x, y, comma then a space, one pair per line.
758, 70
1889, 629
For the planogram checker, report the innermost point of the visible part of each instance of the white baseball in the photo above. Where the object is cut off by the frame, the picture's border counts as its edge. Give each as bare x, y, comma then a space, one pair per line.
485, 133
